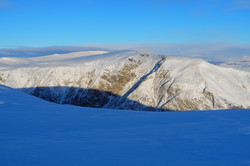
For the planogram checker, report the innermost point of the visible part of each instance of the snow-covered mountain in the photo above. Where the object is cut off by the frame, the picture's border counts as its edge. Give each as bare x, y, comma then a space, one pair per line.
128, 80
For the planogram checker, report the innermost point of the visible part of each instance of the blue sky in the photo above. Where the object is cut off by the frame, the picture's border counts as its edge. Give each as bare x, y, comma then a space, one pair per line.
40, 23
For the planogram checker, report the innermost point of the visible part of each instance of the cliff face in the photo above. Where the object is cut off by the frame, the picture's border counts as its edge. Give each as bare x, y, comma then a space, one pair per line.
130, 80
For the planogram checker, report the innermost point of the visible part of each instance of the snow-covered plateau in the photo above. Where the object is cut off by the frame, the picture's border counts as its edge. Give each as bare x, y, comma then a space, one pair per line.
34, 132
128, 80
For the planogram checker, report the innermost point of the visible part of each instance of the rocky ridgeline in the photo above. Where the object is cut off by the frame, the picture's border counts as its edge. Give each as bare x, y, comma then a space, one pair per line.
136, 82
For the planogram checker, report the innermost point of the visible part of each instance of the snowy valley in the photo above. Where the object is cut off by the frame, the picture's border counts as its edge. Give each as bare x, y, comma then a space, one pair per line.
125, 83
38, 132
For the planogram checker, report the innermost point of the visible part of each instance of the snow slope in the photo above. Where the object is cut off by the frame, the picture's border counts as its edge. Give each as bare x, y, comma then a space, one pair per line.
36, 132
129, 80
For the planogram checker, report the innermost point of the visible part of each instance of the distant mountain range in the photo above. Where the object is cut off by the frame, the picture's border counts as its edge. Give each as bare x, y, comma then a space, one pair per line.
128, 80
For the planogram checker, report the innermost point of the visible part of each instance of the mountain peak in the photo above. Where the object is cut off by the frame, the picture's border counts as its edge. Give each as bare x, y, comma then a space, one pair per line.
130, 80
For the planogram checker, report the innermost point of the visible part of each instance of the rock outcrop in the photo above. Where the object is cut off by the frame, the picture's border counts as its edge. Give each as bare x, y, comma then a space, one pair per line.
130, 80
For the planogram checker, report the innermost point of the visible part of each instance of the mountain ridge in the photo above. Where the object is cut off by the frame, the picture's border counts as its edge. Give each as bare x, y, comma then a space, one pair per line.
163, 82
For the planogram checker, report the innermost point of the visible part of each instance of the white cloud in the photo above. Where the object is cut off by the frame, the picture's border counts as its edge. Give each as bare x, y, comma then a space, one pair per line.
208, 51
42, 51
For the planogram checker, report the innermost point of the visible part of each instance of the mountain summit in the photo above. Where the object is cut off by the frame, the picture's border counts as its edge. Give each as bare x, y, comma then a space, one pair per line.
128, 80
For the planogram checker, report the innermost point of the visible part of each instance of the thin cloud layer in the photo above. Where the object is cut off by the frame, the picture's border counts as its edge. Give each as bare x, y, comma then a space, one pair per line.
5, 3
42, 51
242, 4
207, 51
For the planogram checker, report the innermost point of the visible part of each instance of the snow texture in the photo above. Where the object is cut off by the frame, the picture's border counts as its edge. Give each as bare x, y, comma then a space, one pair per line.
36, 132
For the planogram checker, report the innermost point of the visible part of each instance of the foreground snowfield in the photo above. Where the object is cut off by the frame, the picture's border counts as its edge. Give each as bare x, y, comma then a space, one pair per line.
36, 132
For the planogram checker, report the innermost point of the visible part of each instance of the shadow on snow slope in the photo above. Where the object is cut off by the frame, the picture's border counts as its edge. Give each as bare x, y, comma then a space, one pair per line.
87, 98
